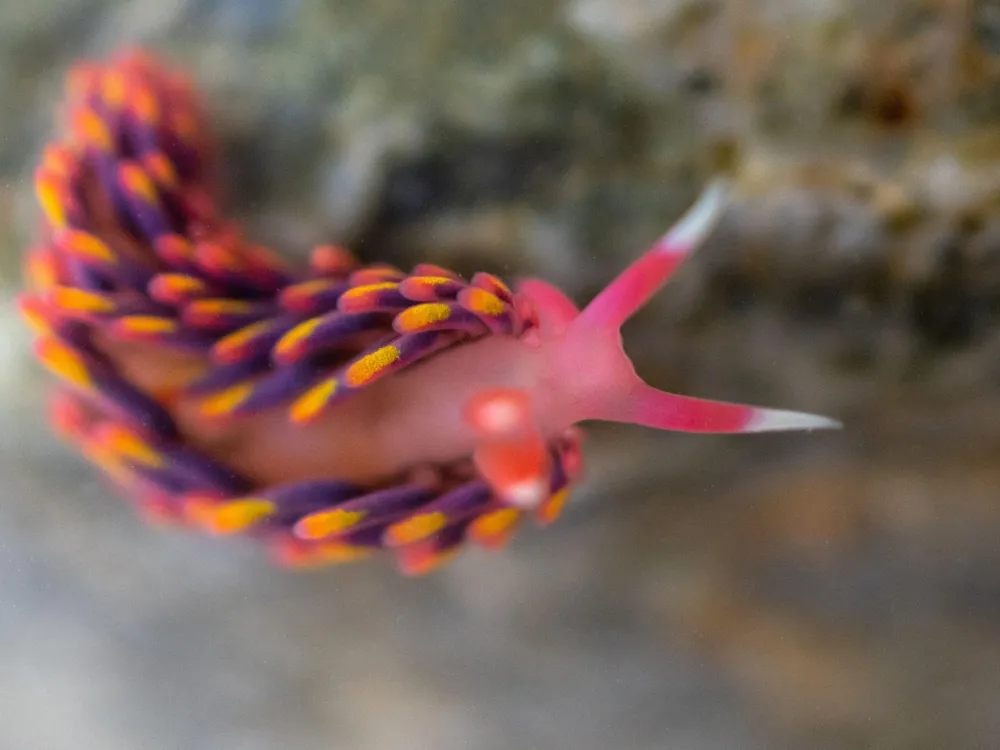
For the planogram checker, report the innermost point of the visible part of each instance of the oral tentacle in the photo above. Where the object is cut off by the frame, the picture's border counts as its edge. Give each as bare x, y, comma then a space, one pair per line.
510, 452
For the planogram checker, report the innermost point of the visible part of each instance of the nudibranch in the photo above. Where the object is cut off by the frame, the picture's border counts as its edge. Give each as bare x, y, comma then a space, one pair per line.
330, 411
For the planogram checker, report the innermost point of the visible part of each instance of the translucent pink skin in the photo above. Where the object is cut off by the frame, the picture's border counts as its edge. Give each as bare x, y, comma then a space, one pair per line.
593, 377
572, 368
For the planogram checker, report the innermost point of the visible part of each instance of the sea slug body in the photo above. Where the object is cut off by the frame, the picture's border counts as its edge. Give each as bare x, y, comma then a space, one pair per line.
331, 411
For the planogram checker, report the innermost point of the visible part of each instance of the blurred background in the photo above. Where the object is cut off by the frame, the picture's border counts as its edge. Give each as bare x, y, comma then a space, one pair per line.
793, 591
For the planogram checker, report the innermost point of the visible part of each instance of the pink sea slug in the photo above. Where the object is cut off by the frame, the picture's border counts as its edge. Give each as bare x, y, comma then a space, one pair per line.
330, 411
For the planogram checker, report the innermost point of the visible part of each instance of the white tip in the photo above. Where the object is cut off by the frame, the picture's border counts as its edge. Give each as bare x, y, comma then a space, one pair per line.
699, 221
527, 494
777, 420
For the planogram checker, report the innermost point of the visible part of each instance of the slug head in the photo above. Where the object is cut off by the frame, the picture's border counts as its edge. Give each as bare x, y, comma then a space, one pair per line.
588, 375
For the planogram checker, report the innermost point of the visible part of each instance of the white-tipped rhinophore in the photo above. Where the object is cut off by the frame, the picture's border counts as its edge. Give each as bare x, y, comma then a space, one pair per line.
693, 227
780, 420
640, 281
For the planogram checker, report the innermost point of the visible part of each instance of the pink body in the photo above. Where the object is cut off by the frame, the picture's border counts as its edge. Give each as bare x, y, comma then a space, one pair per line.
571, 368
339, 409
412, 418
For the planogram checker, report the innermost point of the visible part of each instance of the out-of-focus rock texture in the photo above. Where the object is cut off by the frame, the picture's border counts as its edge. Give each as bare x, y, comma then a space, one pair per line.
804, 591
